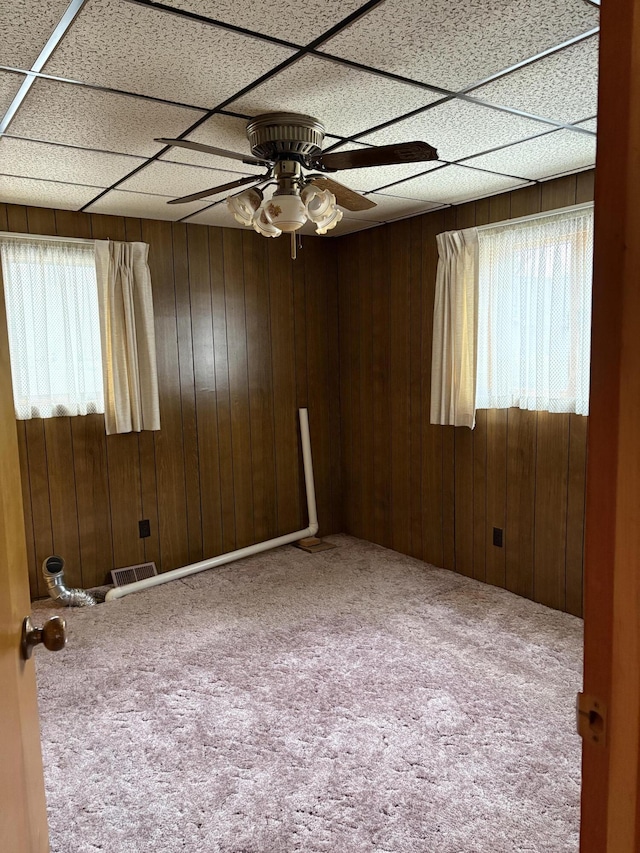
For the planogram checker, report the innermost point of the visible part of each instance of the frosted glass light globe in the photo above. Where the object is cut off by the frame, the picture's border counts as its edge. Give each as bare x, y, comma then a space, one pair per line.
286, 212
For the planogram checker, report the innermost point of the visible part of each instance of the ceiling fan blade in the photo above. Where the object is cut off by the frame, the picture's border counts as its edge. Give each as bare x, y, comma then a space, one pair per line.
349, 199
384, 155
251, 179
209, 149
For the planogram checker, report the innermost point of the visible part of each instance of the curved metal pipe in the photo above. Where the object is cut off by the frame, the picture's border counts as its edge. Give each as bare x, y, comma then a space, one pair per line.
53, 573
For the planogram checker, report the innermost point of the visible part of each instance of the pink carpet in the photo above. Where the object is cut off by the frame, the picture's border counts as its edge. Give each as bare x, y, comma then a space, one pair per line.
349, 701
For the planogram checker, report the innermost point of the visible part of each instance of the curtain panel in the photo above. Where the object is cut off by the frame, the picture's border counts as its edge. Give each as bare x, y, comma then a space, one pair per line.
128, 337
453, 361
512, 318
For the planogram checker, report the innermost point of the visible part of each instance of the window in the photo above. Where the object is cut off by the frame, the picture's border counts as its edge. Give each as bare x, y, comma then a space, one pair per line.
534, 314
54, 327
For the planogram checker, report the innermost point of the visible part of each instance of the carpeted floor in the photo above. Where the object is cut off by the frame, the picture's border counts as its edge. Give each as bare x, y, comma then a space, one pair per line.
349, 701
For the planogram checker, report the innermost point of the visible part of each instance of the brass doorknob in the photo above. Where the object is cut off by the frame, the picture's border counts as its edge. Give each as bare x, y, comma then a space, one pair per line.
53, 635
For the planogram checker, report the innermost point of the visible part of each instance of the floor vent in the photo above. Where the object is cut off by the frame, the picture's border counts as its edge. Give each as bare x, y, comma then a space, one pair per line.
130, 574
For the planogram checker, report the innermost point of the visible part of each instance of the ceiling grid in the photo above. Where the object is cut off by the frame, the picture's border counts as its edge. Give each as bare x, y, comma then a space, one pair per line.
506, 91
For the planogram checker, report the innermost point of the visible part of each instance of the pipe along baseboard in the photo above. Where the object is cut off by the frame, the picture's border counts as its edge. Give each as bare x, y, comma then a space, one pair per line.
241, 553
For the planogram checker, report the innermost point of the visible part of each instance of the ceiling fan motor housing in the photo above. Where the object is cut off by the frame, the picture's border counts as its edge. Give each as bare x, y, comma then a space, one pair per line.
273, 135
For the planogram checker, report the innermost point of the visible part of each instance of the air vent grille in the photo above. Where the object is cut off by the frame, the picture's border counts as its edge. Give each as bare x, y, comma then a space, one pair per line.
131, 574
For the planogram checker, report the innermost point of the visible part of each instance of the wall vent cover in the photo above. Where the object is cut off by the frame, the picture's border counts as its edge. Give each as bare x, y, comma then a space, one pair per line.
131, 574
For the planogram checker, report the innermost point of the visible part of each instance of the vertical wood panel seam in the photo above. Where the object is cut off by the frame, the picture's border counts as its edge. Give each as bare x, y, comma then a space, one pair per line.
175, 315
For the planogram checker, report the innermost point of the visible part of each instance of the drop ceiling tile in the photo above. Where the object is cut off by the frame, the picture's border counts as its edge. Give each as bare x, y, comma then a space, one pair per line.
9, 85
563, 86
345, 226
222, 132
140, 49
88, 118
458, 129
454, 184
60, 163
390, 207
121, 203
347, 101
25, 28
553, 154
176, 179
453, 45
219, 215
318, 15
44, 193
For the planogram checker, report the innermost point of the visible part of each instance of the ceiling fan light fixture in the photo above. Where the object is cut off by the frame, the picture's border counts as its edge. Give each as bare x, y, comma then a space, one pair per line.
322, 208
244, 205
285, 212
330, 221
263, 226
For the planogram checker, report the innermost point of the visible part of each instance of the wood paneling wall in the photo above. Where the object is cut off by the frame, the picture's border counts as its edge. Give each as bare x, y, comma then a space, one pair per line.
437, 492
244, 337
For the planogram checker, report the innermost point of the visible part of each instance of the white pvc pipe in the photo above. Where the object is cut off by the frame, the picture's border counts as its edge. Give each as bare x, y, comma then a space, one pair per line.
241, 553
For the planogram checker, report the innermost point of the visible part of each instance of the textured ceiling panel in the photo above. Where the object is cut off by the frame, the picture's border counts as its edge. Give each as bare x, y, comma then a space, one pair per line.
454, 184
390, 207
345, 226
456, 44
218, 215
120, 203
345, 100
176, 179
45, 193
222, 132
25, 28
564, 86
312, 21
58, 163
138, 49
553, 154
379, 176
75, 115
9, 85
458, 129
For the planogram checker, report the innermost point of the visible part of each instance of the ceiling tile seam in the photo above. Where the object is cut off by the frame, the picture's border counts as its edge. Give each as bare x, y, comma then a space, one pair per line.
214, 22
520, 113
280, 67
48, 181
380, 72
553, 124
410, 81
544, 54
461, 160
444, 166
122, 154
49, 47
40, 75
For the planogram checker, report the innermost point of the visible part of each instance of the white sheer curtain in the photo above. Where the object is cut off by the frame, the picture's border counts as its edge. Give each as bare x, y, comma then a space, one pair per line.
534, 314
453, 361
54, 331
128, 337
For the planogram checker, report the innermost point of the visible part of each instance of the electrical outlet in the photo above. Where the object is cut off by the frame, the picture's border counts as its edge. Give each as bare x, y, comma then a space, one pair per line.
497, 537
144, 527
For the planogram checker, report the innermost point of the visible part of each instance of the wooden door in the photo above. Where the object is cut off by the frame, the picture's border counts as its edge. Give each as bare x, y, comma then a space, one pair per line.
610, 791
23, 818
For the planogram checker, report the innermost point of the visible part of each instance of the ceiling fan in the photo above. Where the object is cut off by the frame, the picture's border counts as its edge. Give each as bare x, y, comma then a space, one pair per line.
288, 145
